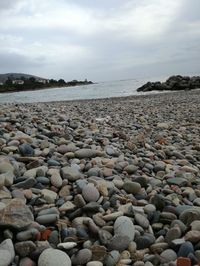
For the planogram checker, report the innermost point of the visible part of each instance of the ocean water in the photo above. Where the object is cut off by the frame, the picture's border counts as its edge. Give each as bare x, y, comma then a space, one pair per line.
95, 91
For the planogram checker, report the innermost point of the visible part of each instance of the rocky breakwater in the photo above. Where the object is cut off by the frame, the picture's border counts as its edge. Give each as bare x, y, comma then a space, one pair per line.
173, 83
101, 182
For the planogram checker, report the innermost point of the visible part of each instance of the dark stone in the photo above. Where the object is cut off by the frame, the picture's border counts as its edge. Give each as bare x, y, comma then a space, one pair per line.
119, 242
54, 238
91, 207
52, 162
145, 241
82, 233
172, 83
142, 181
26, 150
159, 202
185, 249
28, 183
104, 237
43, 180
25, 248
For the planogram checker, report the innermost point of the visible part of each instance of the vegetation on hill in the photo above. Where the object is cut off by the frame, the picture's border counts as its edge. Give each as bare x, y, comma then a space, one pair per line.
32, 83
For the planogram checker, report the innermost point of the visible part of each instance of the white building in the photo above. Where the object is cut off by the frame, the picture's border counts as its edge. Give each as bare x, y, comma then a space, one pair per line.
18, 82
44, 81
1, 83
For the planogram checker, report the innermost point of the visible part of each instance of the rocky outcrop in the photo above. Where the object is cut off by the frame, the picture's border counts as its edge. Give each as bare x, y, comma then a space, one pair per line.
173, 83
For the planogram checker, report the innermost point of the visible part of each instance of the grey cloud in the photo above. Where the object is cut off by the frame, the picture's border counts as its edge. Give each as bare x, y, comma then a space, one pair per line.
7, 4
13, 62
111, 53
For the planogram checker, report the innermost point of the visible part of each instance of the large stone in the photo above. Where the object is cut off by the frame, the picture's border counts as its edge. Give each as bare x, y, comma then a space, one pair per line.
70, 173
16, 214
25, 248
52, 257
189, 215
5, 258
7, 245
124, 226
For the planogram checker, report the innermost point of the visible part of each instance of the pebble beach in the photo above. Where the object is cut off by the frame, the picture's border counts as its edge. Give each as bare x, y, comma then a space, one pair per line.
101, 182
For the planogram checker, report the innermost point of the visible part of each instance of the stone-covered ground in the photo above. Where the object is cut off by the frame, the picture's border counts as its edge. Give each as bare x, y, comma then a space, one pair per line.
101, 182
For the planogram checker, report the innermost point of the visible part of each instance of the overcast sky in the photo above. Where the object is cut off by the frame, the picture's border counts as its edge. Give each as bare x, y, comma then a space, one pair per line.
100, 39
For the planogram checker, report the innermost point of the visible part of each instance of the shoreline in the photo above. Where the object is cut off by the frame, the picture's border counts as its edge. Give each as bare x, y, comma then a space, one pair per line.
144, 95
45, 88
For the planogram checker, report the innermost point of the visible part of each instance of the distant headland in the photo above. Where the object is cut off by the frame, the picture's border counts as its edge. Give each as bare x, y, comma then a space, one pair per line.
173, 83
13, 82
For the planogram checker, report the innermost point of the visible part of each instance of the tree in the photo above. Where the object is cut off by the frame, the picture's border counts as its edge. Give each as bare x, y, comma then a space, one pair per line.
8, 81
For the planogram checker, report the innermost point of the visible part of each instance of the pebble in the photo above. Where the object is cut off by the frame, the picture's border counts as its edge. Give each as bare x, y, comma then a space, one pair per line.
100, 182
94, 263
47, 219
26, 150
5, 258
90, 193
123, 226
25, 248
16, 214
168, 255
132, 187
85, 153
7, 246
185, 249
112, 258
141, 220
67, 245
131, 169
70, 173
52, 257
119, 242
82, 257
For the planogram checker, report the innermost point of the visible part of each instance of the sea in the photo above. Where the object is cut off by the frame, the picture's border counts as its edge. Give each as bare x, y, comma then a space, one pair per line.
108, 89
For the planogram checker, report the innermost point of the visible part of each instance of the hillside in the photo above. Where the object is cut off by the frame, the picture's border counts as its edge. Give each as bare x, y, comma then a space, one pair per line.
13, 76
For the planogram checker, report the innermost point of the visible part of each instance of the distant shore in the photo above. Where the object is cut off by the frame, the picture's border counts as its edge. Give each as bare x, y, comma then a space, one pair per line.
4, 89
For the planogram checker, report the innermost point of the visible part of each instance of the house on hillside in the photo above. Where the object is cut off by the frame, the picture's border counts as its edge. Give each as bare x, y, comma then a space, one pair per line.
18, 82
1, 83
44, 81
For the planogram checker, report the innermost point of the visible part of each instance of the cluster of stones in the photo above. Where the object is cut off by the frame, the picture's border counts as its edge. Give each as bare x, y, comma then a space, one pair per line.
173, 83
100, 182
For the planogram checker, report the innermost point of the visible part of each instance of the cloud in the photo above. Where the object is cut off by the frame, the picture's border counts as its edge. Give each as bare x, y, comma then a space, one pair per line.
99, 38
14, 62
11, 5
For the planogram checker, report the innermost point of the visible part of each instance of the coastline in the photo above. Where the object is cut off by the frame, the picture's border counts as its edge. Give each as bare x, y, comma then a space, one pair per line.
43, 88
121, 171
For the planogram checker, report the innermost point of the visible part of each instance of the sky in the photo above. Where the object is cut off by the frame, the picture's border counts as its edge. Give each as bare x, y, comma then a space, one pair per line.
100, 39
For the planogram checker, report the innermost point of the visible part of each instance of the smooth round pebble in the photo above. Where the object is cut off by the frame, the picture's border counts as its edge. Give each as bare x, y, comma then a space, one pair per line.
90, 193
52, 257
